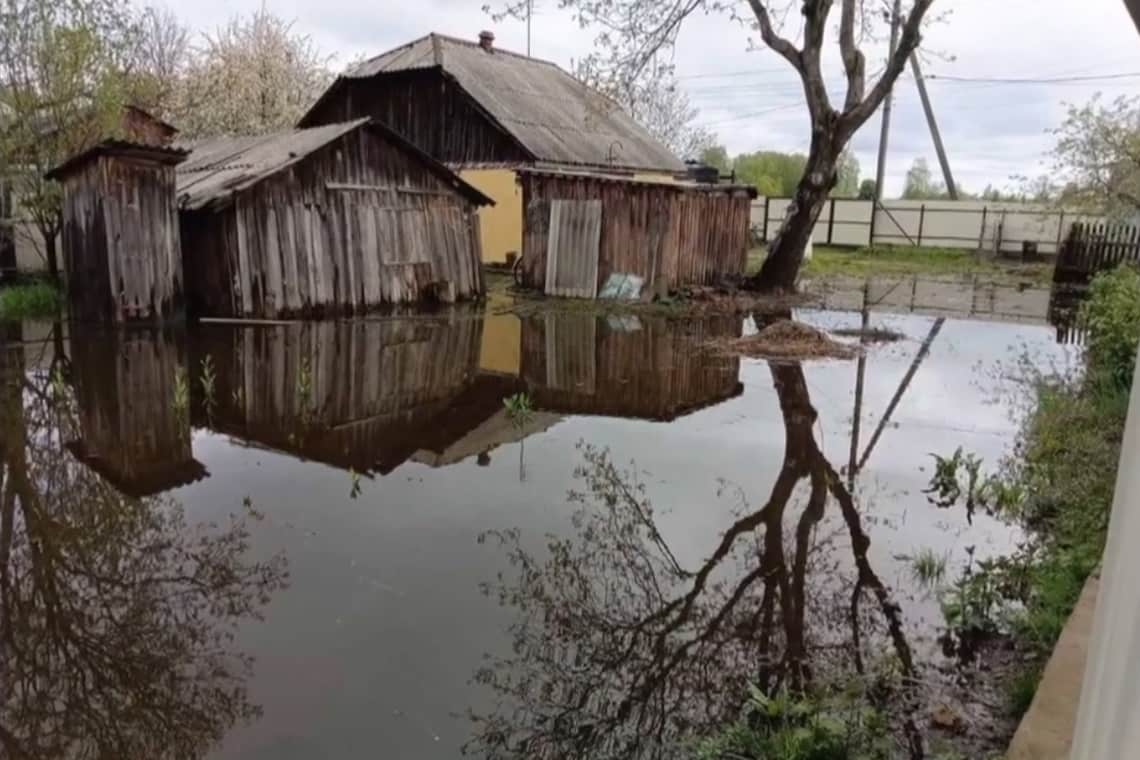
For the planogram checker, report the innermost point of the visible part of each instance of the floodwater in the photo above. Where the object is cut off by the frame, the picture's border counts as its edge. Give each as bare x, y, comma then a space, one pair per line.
332, 540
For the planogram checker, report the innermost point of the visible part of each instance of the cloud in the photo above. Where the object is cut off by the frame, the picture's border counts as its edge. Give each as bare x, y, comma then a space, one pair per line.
752, 99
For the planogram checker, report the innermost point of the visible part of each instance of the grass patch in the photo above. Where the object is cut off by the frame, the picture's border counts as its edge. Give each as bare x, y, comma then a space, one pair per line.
30, 301
905, 261
1021, 690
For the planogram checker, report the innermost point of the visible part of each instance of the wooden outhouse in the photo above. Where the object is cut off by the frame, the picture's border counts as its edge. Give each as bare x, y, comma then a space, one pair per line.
121, 247
336, 219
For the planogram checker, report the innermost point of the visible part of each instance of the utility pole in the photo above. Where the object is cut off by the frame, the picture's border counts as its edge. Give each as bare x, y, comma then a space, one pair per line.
947, 177
529, 13
885, 133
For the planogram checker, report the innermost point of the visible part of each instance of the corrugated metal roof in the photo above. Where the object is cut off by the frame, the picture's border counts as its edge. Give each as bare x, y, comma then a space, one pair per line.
555, 117
218, 168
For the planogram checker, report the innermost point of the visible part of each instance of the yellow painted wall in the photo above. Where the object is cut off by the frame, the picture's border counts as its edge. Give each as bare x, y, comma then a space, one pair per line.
654, 177
500, 226
501, 349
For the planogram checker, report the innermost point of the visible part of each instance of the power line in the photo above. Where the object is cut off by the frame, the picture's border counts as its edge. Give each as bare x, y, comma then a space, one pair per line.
1046, 80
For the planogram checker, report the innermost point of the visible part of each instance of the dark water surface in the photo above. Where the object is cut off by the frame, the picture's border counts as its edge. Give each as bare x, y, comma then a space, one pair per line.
724, 539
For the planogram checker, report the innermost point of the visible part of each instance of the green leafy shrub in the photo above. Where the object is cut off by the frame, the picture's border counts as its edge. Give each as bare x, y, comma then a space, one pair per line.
787, 727
29, 301
1112, 317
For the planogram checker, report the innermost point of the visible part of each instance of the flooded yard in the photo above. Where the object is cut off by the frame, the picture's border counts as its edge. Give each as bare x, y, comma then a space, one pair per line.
420, 570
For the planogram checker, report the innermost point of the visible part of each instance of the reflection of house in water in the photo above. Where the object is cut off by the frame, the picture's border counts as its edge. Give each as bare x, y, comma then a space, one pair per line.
132, 429
362, 395
627, 366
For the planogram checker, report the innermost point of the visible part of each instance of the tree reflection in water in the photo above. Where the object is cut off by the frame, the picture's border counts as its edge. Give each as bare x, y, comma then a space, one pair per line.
117, 618
618, 651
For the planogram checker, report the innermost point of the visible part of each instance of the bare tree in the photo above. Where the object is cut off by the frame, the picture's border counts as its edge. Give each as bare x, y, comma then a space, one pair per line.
635, 30
656, 101
162, 55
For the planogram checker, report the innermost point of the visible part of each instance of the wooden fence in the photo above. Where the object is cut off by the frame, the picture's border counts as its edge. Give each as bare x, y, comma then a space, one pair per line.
1092, 248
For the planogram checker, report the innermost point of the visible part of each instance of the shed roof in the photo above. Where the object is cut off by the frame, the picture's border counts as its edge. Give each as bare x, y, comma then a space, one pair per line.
218, 168
124, 148
679, 186
554, 116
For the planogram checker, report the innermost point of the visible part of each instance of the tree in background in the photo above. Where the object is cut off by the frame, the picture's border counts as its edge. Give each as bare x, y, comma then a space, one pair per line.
656, 101
773, 174
635, 31
161, 56
255, 74
65, 74
920, 183
716, 155
1097, 156
847, 185
867, 190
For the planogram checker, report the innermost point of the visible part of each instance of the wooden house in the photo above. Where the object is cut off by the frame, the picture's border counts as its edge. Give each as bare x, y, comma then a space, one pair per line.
581, 228
487, 112
329, 220
121, 248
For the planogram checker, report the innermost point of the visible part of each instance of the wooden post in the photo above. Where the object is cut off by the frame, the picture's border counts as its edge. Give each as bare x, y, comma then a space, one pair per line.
871, 228
831, 222
921, 222
1060, 231
982, 231
767, 210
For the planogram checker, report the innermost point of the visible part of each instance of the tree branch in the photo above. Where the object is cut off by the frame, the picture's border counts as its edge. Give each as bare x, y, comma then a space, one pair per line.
854, 62
909, 39
768, 34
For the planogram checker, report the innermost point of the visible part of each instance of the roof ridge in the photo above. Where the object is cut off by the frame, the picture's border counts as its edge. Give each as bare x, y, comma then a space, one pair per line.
495, 50
389, 51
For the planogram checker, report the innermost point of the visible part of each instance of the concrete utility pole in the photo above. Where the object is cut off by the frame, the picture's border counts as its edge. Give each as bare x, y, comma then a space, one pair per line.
931, 122
529, 13
885, 132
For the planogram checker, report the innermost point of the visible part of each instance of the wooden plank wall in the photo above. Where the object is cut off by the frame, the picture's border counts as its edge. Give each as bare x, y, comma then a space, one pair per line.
671, 236
357, 225
121, 242
647, 368
354, 394
430, 110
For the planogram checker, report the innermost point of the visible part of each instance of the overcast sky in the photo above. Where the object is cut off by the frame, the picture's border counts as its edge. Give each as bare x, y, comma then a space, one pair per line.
752, 99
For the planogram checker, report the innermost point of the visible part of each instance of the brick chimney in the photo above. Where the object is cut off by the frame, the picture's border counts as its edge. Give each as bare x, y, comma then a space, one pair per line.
487, 40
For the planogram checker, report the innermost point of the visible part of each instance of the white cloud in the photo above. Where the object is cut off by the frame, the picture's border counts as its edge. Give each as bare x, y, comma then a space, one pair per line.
991, 131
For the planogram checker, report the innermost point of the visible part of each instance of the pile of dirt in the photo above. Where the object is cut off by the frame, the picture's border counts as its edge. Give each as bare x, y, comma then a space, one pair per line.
870, 334
787, 340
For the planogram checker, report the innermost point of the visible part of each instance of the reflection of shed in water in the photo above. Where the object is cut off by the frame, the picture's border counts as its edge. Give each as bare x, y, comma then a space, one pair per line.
134, 431
364, 395
627, 366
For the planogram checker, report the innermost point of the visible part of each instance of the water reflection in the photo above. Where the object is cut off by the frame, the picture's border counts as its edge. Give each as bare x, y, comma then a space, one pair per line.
116, 613
619, 651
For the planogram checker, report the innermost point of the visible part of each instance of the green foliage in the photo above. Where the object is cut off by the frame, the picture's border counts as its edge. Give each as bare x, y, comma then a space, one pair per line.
928, 568
904, 261
1112, 317
181, 400
716, 155
519, 408
772, 173
1097, 156
208, 380
30, 301
1021, 690
920, 183
786, 727
867, 189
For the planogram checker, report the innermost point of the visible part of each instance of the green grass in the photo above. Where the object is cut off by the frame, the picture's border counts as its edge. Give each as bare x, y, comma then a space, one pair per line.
905, 261
928, 568
30, 301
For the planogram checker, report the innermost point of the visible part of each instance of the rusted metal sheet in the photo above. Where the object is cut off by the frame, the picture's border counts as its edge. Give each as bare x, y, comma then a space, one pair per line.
572, 262
547, 113
670, 234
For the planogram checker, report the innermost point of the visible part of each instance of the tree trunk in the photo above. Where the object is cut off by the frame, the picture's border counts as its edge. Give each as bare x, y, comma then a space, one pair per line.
786, 253
51, 253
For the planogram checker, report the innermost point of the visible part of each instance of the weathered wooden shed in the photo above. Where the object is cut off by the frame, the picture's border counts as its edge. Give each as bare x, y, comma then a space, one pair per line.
330, 220
581, 228
485, 112
121, 246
